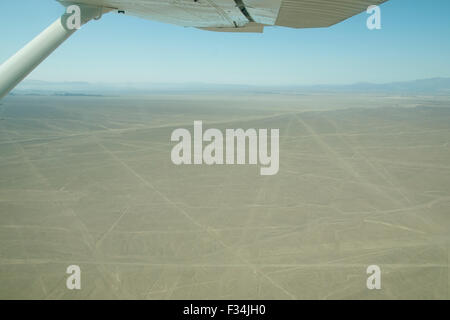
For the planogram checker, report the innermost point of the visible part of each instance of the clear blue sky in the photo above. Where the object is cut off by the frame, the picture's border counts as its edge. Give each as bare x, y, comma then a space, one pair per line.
413, 44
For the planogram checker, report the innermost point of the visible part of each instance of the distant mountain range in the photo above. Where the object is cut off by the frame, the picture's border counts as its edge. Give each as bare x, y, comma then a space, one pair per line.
435, 86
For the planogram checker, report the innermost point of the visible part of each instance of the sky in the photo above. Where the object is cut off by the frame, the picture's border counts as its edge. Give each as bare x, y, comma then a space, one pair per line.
414, 43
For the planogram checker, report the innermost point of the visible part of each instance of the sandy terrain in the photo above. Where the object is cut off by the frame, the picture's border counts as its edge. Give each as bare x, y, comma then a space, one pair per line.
88, 181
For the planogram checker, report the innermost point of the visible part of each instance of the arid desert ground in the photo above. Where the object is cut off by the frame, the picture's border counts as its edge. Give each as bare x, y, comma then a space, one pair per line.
88, 181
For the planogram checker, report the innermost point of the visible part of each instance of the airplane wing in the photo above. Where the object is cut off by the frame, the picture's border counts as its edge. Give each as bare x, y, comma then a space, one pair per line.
320, 13
213, 15
234, 15
197, 13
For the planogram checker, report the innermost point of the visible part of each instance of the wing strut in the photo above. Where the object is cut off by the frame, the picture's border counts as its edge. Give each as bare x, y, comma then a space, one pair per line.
14, 70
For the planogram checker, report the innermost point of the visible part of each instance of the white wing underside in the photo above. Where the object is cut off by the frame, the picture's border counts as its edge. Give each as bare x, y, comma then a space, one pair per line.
190, 13
227, 15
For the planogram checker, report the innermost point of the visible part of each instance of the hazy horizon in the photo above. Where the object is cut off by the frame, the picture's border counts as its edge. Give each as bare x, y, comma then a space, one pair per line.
436, 86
